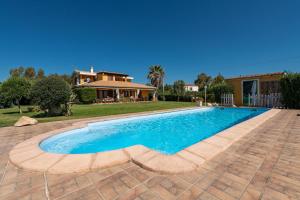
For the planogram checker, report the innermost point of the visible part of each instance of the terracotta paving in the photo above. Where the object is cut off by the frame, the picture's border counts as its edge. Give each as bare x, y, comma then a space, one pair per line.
264, 164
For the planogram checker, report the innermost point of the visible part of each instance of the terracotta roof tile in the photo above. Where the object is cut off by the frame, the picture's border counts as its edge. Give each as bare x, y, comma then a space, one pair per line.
117, 84
256, 75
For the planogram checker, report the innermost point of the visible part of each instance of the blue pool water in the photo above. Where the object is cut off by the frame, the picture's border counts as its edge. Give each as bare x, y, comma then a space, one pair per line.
167, 133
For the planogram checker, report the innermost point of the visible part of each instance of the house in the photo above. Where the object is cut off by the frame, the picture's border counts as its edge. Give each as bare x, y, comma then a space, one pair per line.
113, 86
257, 84
191, 88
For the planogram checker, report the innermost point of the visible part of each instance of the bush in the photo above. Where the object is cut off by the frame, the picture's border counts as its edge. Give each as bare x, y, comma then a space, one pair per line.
33, 109
290, 90
15, 89
50, 93
219, 89
4, 102
175, 98
86, 95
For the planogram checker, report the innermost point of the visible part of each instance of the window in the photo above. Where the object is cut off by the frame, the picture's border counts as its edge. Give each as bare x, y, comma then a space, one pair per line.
250, 88
269, 87
110, 78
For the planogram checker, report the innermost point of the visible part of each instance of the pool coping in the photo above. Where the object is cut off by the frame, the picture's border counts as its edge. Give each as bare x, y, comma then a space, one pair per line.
28, 154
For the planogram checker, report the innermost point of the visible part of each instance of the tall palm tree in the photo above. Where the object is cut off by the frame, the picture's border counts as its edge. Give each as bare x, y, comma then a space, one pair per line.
156, 76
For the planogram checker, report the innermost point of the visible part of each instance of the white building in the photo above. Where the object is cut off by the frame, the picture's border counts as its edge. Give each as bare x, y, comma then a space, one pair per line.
191, 88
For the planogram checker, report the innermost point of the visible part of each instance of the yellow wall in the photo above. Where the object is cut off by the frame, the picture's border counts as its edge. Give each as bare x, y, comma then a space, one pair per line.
110, 77
236, 83
102, 77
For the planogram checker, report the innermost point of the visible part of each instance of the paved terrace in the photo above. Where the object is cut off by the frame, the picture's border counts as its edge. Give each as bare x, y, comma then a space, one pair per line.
264, 164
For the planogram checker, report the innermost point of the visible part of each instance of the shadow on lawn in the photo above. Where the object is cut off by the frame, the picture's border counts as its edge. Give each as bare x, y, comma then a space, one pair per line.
44, 115
14, 112
34, 115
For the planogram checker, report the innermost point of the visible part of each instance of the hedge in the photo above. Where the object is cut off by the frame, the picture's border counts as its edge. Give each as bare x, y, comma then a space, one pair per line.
219, 89
290, 90
175, 98
86, 95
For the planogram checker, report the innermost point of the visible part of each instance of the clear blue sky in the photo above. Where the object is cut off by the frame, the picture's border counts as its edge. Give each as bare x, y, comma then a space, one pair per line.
185, 37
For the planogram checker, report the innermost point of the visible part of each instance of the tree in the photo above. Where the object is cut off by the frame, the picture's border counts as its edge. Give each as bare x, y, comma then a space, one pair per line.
50, 93
156, 76
290, 90
40, 74
4, 102
178, 88
202, 80
69, 104
86, 95
74, 77
17, 72
29, 73
16, 88
219, 89
65, 77
168, 90
219, 79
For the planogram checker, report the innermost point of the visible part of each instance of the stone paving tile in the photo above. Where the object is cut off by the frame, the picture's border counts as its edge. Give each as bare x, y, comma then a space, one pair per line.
139, 173
207, 180
194, 176
116, 185
285, 186
207, 196
33, 194
139, 192
89, 193
270, 194
17, 181
262, 165
191, 193
98, 175
167, 187
59, 185
228, 185
251, 194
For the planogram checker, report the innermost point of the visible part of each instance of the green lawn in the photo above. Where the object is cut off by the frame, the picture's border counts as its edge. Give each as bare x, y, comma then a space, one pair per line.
10, 115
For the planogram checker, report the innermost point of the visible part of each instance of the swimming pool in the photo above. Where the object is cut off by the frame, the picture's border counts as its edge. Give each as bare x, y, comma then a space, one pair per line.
167, 133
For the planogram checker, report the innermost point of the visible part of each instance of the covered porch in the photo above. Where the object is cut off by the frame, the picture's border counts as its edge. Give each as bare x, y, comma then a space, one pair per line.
109, 95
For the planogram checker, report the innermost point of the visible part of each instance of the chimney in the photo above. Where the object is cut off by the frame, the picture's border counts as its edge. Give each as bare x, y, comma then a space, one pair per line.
92, 69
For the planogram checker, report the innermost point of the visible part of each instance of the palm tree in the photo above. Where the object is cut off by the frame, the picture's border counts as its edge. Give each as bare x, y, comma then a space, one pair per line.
178, 88
156, 76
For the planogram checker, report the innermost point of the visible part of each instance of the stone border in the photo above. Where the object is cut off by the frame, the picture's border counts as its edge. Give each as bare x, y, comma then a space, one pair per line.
29, 155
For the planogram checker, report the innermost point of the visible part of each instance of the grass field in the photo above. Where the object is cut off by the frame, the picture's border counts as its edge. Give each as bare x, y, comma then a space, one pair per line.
10, 115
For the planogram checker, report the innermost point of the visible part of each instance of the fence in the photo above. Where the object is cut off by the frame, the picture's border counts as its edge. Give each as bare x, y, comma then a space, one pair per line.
227, 100
262, 100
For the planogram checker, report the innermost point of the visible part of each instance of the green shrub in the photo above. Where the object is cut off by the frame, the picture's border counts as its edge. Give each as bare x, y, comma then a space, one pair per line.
50, 93
177, 98
33, 109
178, 89
290, 90
15, 89
189, 97
219, 89
4, 102
86, 95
